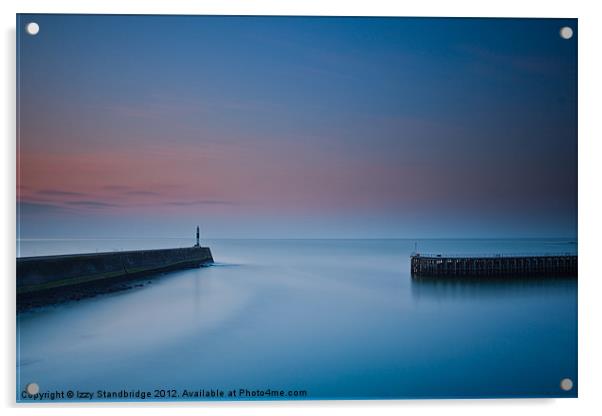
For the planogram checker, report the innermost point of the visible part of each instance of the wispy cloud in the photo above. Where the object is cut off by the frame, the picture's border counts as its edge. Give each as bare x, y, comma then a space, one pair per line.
140, 190
143, 193
91, 204
28, 208
55, 192
201, 202
116, 187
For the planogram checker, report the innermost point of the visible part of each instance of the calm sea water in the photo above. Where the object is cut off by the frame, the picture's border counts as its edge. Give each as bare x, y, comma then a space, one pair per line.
336, 318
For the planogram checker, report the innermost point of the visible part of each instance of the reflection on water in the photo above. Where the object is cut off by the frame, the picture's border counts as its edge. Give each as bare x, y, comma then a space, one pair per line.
338, 318
464, 289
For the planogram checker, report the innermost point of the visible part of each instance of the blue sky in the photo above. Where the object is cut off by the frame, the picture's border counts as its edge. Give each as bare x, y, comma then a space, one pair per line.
297, 127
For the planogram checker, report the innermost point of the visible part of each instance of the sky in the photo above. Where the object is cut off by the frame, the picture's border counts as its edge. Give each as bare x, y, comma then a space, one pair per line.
296, 127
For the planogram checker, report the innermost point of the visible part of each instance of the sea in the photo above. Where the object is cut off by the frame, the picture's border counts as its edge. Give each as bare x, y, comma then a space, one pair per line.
304, 320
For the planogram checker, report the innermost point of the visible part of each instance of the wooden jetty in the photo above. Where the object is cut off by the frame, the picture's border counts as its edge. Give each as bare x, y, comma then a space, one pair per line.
429, 265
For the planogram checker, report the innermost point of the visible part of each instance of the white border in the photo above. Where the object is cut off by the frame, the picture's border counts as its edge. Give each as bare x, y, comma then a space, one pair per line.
590, 207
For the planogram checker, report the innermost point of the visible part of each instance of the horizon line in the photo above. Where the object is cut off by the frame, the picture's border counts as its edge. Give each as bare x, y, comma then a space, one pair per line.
572, 238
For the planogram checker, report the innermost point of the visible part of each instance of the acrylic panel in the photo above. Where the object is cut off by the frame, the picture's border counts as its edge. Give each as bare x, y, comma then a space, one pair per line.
295, 208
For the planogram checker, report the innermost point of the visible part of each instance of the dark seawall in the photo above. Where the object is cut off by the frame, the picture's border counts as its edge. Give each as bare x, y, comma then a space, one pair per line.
39, 277
494, 266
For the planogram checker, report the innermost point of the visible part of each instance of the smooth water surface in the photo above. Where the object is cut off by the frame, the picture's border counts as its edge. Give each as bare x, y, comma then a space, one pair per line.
336, 318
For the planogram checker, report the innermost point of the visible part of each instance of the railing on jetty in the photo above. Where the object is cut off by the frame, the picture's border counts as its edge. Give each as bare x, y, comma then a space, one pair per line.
500, 265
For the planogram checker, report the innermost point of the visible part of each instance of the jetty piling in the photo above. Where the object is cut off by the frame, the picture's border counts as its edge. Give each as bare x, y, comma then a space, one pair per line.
563, 265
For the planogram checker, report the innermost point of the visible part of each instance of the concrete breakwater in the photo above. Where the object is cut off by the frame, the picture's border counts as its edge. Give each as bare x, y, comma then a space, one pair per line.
47, 276
497, 265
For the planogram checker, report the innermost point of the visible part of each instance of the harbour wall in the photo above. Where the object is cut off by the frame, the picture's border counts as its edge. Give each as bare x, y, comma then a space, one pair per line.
54, 273
500, 266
